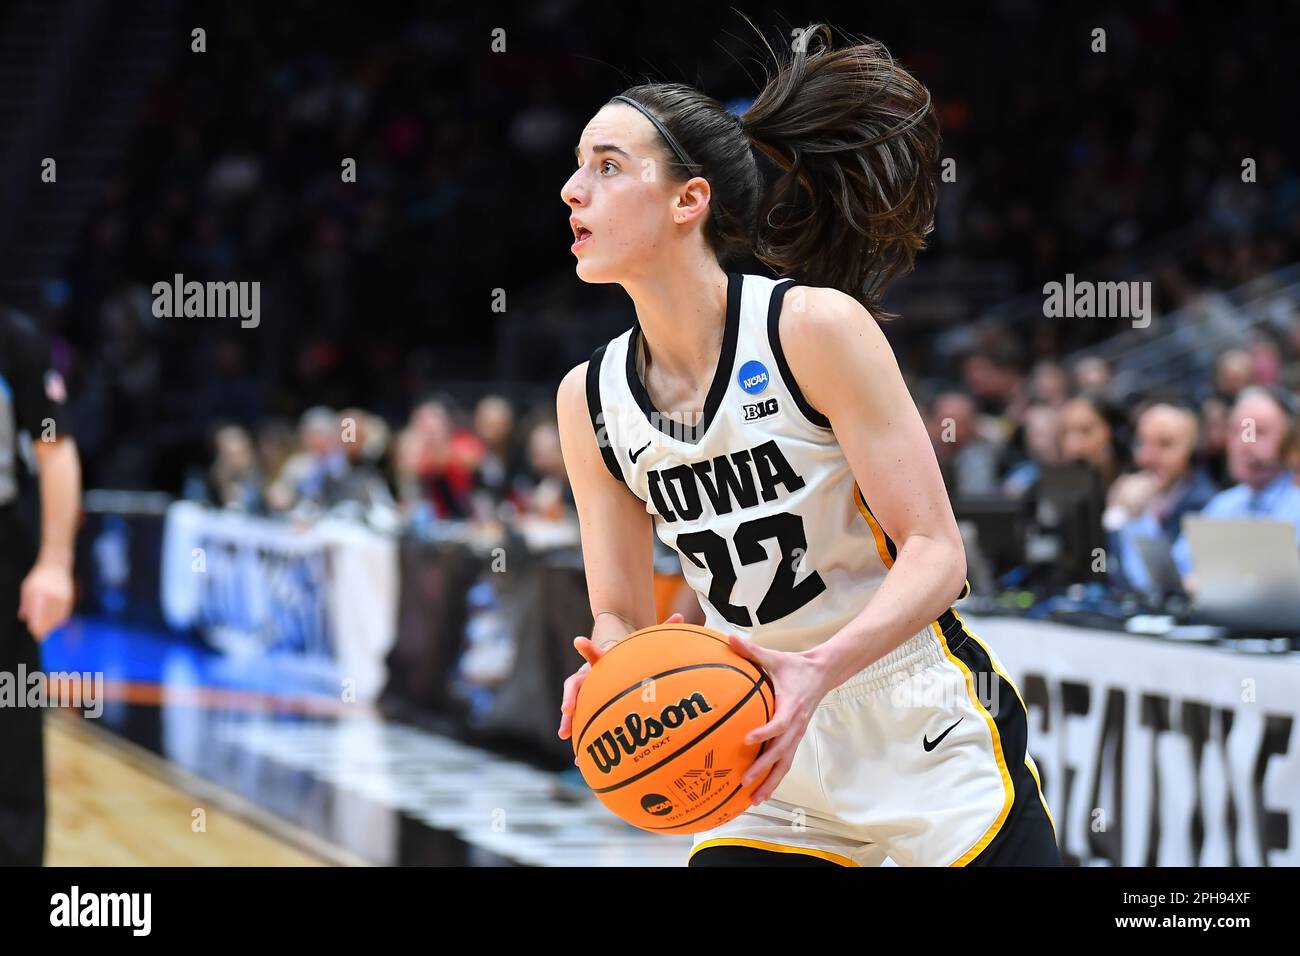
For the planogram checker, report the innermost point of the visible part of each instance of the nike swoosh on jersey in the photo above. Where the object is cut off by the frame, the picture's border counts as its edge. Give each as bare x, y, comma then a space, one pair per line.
931, 744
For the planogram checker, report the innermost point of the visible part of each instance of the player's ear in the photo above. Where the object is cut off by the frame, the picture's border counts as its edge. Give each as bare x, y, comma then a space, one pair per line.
691, 199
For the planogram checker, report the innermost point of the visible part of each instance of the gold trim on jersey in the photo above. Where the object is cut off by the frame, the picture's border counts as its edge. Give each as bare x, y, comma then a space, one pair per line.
885, 546
775, 847
1008, 788
1029, 761
1033, 770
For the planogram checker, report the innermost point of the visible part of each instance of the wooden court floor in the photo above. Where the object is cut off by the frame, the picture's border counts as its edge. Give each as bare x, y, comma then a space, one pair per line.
112, 803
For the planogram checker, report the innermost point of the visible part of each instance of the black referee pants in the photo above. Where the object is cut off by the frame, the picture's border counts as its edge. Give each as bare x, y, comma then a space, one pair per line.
22, 752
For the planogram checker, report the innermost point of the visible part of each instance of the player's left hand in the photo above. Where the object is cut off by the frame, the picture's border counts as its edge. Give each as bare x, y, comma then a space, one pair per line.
800, 686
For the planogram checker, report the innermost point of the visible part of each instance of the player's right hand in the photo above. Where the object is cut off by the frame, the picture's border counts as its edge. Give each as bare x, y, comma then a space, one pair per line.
592, 653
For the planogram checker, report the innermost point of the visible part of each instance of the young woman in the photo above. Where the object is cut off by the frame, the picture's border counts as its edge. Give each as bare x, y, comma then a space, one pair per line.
789, 467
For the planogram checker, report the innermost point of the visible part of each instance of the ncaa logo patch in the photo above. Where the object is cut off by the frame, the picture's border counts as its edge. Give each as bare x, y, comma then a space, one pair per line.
753, 376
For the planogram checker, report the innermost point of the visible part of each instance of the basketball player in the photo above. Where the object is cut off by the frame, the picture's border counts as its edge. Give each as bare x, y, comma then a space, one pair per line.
789, 467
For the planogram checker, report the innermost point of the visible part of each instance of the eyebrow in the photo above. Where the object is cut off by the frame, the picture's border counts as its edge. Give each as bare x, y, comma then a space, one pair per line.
602, 148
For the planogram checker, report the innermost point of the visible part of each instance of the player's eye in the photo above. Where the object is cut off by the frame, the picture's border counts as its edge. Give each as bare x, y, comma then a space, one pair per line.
608, 162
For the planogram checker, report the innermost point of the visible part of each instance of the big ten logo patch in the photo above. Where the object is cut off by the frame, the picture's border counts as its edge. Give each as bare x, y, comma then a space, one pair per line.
764, 409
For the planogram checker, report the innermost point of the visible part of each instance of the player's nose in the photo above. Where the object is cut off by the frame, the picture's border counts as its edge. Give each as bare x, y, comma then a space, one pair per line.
571, 193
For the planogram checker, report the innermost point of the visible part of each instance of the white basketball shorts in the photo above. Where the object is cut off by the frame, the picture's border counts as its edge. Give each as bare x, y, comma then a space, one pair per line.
920, 759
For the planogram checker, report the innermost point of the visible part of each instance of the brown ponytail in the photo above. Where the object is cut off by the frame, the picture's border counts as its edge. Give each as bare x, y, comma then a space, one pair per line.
857, 140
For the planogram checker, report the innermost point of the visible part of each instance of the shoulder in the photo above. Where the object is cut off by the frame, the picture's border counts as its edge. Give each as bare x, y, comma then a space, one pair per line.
1227, 499
574, 381
828, 337
823, 329
571, 396
819, 310
584, 434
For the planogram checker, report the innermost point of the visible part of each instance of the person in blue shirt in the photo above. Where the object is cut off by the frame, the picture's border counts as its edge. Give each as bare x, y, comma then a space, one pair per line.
1258, 425
1151, 502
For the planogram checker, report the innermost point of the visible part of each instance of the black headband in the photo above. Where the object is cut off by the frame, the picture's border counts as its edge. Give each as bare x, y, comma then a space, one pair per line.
663, 130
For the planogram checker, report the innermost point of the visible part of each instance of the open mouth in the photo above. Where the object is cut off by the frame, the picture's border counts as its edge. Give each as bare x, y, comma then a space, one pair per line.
582, 234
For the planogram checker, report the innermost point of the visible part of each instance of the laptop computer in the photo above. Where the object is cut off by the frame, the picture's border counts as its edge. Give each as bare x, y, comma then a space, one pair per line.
1157, 554
1247, 573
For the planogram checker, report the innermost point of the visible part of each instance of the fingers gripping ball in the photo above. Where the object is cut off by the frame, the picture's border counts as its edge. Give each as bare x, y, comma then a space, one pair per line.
659, 728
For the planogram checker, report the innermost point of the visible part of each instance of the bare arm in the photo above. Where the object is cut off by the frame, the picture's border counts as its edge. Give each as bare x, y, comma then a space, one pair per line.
847, 371
46, 594
617, 548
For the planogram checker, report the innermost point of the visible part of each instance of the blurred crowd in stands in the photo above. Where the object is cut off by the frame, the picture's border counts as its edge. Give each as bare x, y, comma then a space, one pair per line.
377, 294
1230, 449
430, 470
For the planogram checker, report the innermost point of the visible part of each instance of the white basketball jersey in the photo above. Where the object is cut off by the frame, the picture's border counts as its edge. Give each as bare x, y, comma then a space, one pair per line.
756, 496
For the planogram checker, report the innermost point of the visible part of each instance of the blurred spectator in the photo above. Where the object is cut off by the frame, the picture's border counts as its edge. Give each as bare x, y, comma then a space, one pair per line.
275, 444
1092, 376
1265, 358
1151, 502
408, 460
1049, 384
311, 472
503, 461
967, 459
994, 384
447, 459
235, 478
1093, 432
1260, 422
364, 443
1233, 371
1038, 443
1213, 452
551, 497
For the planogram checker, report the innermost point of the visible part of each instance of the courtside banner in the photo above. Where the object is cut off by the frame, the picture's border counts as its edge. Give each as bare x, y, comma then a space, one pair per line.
1154, 753
325, 592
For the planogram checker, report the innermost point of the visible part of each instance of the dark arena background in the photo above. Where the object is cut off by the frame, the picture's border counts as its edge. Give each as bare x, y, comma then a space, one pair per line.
327, 567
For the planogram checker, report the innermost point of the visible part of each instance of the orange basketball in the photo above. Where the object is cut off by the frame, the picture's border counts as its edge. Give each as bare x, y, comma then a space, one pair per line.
659, 728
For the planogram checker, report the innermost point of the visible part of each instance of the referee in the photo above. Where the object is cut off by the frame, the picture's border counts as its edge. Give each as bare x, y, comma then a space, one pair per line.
35, 583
